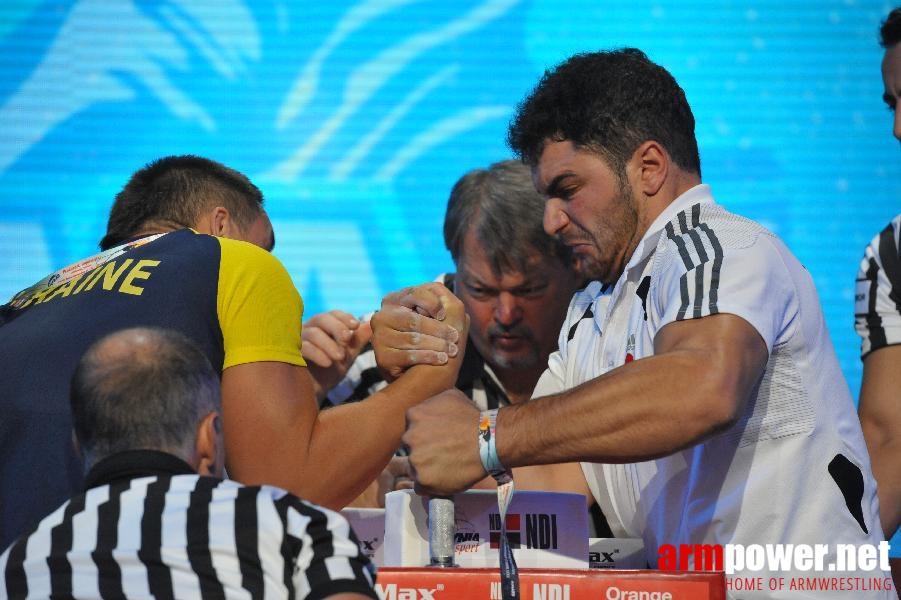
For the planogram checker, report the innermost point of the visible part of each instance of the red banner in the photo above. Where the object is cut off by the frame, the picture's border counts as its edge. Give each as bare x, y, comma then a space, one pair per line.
550, 584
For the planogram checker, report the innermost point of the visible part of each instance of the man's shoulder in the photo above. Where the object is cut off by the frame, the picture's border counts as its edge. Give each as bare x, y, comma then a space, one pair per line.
707, 233
887, 237
245, 252
243, 264
712, 224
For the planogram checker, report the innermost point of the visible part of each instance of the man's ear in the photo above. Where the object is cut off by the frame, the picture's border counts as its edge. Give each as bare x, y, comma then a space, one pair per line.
217, 221
209, 447
651, 166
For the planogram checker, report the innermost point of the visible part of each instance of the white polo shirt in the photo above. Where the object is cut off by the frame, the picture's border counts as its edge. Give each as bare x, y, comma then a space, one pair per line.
766, 480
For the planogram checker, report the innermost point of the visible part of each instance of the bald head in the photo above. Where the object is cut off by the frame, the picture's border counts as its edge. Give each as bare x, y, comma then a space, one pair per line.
142, 388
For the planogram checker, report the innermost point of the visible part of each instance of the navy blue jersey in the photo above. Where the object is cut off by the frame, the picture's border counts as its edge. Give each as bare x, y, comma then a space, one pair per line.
229, 297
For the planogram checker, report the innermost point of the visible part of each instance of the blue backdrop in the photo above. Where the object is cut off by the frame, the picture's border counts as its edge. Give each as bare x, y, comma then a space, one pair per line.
355, 118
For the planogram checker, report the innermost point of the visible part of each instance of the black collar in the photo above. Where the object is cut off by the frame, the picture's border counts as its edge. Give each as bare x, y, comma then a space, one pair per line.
132, 464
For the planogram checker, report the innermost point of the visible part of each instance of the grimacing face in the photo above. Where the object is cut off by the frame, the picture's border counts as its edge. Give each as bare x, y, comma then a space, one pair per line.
891, 79
515, 317
589, 208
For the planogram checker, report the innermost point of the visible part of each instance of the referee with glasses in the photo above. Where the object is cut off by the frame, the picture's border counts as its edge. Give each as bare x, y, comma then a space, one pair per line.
157, 519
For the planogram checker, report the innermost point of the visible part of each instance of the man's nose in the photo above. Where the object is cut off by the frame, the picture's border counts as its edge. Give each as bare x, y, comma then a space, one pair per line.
506, 310
555, 218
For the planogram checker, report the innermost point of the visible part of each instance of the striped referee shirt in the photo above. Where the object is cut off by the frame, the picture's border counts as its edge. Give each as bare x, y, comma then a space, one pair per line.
878, 294
148, 526
476, 379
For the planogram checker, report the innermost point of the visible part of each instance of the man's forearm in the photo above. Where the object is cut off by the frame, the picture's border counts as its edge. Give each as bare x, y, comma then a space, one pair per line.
355, 441
696, 385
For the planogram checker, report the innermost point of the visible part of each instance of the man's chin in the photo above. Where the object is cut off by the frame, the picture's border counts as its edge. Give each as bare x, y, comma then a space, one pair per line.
588, 268
513, 360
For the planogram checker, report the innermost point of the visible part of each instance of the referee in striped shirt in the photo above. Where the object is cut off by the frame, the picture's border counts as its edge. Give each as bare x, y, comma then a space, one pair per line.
156, 519
877, 319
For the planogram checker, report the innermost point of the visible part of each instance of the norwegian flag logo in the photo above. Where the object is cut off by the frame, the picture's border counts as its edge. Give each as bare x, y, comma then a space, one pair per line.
514, 533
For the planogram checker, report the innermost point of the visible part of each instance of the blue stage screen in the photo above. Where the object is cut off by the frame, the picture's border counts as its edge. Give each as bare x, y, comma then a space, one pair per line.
356, 118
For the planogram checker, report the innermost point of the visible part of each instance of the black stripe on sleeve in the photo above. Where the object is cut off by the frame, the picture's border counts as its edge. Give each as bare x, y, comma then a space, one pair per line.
320, 582
291, 545
698, 243
891, 264
875, 330
680, 244
687, 262
159, 579
697, 235
198, 538
109, 572
683, 222
247, 541
61, 538
14, 574
698, 274
685, 300
717, 267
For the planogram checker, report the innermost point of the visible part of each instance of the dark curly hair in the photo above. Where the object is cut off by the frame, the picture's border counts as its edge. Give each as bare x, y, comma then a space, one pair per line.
609, 103
890, 31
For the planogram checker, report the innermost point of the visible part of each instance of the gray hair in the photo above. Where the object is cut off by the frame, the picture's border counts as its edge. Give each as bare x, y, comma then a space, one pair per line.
505, 212
141, 388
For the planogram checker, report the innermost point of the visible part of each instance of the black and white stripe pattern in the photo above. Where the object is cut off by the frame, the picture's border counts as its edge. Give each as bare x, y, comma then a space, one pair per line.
878, 313
186, 536
475, 379
702, 256
363, 379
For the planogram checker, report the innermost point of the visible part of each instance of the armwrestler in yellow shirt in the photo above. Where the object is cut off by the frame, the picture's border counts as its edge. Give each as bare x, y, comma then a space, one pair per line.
186, 248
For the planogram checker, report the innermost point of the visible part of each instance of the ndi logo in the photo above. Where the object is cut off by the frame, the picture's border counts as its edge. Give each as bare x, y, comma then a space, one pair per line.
541, 530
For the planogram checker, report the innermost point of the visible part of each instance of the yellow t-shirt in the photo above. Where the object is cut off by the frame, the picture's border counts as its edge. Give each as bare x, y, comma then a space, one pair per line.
259, 308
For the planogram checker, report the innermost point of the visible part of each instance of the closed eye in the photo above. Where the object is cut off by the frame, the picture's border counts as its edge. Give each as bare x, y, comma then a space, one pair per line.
561, 192
560, 188
535, 290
